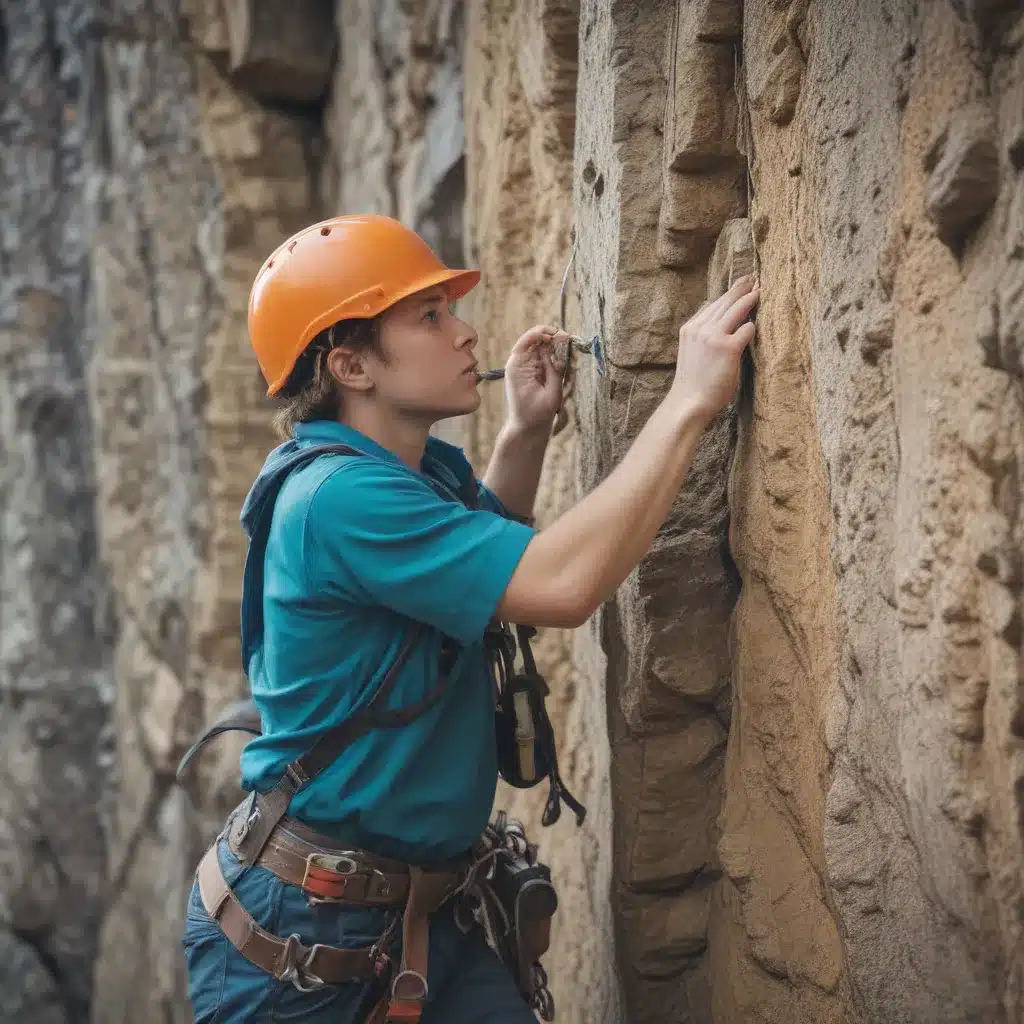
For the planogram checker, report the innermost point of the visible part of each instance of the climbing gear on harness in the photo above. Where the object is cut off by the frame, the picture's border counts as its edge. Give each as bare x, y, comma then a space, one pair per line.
351, 267
327, 871
331, 873
307, 967
525, 737
251, 832
509, 893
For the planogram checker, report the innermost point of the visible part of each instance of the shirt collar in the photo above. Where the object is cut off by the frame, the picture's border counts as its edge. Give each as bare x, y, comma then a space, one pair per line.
440, 458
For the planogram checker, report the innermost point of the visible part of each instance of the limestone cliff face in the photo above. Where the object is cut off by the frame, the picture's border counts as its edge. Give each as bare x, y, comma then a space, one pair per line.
799, 726
859, 857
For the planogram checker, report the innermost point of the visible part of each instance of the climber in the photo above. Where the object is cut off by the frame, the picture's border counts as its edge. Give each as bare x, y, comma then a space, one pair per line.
378, 567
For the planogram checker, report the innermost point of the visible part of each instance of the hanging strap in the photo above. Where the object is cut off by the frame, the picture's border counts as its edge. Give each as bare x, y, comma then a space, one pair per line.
242, 716
558, 791
267, 809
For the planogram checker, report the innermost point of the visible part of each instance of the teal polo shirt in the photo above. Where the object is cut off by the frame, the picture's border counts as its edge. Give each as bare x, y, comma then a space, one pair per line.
358, 547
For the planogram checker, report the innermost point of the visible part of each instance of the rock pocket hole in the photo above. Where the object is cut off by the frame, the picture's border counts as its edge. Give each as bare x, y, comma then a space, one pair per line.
599, 186
589, 172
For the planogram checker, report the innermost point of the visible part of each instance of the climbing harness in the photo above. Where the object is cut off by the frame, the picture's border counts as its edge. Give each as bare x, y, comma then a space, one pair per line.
508, 887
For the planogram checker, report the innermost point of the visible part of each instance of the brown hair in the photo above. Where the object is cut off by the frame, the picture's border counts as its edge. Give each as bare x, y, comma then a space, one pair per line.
310, 392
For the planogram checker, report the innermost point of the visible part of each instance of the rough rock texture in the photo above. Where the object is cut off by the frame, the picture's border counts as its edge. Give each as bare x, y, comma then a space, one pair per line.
58, 620
520, 116
864, 863
158, 151
200, 182
874, 770
656, 182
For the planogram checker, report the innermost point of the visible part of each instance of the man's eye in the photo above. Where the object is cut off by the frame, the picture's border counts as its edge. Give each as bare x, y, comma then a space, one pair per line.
432, 314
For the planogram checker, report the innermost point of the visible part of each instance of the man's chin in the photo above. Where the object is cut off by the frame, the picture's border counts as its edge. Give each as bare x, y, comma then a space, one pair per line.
463, 408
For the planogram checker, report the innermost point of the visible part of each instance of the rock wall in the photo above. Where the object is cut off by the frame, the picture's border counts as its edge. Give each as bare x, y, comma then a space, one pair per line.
58, 618
655, 184
799, 726
857, 856
154, 153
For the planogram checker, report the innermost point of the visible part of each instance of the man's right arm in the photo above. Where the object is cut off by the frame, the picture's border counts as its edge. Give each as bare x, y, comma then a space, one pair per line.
569, 569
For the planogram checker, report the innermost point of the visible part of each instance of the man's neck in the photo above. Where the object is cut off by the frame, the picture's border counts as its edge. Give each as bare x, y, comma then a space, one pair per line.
407, 440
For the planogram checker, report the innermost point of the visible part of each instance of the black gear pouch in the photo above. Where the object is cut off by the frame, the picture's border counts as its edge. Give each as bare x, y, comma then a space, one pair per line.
529, 902
523, 730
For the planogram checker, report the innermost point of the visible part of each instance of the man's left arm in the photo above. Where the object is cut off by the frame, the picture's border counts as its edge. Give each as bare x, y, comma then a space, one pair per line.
533, 395
513, 473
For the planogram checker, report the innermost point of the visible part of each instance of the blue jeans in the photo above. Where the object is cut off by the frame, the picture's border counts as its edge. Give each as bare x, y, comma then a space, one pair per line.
468, 983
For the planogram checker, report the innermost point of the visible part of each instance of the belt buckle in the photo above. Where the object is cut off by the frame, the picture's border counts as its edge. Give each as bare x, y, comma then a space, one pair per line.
319, 866
297, 961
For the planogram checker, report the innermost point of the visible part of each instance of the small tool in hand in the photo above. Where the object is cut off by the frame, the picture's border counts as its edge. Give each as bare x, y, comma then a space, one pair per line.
592, 347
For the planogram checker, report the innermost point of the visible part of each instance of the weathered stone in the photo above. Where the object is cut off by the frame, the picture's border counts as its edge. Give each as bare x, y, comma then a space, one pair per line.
667, 629
700, 117
694, 208
57, 625
397, 90
674, 828
281, 49
733, 257
717, 21
774, 85
28, 991
671, 935
963, 162
520, 108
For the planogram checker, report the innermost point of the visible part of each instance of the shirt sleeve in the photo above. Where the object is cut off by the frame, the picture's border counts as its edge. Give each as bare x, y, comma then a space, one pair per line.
378, 533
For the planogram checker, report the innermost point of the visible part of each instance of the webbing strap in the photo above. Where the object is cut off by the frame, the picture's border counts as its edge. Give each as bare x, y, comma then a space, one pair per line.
242, 716
259, 507
270, 807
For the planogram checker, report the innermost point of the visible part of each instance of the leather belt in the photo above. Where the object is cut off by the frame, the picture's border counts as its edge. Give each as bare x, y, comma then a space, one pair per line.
307, 967
335, 874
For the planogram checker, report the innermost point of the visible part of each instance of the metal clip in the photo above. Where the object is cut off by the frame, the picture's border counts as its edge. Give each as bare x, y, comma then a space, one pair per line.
296, 776
237, 833
416, 976
298, 972
339, 863
378, 887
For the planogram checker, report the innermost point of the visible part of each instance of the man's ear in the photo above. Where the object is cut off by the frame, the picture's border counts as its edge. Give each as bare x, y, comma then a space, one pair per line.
349, 369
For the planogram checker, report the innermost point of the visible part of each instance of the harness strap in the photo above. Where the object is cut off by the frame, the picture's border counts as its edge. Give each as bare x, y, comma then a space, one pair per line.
427, 892
286, 959
242, 716
267, 809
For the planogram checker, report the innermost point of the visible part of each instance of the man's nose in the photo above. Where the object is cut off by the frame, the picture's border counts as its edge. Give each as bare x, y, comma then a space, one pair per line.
467, 337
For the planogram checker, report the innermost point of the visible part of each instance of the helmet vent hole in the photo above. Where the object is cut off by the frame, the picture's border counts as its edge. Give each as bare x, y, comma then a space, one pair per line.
325, 231
270, 263
291, 248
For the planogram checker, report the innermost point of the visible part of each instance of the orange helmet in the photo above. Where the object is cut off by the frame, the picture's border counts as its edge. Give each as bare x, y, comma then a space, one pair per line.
345, 268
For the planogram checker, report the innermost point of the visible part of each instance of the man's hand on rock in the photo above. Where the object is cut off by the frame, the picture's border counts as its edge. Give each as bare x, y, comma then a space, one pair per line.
711, 344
